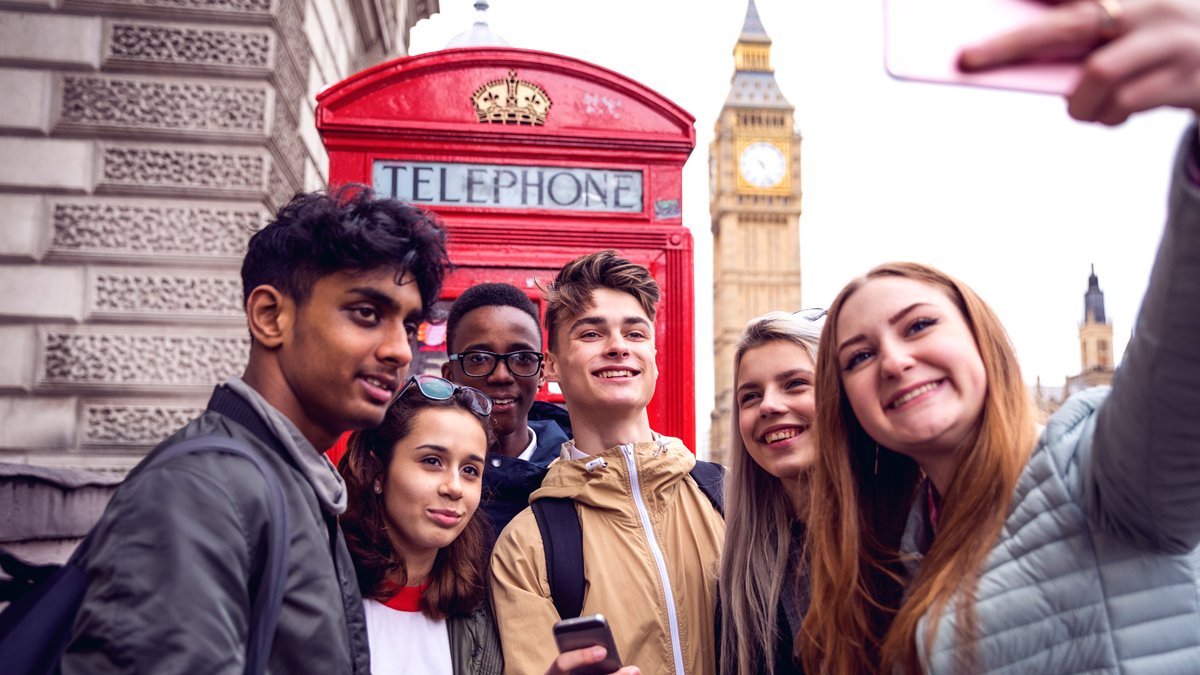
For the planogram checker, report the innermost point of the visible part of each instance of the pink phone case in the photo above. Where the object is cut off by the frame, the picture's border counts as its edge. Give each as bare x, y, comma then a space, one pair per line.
923, 39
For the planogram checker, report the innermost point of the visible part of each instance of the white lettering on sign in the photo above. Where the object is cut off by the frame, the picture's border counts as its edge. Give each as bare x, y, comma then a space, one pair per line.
506, 186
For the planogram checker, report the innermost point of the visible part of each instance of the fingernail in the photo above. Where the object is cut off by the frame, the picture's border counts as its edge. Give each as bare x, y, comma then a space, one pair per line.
967, 60
598, 652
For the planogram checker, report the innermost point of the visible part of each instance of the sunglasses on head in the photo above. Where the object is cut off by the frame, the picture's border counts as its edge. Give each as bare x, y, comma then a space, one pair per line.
811, 315
437, 388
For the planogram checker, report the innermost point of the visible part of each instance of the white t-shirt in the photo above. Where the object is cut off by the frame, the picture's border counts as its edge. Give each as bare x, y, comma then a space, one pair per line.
404, 641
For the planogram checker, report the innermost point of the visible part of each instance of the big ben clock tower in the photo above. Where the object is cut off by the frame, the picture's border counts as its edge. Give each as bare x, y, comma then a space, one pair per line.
754, 170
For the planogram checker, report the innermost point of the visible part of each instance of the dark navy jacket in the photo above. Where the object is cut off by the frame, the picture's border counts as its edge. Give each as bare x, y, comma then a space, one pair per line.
508, 481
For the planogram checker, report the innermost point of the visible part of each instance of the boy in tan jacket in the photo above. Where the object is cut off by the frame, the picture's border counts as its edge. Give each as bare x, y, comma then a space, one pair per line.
651, 538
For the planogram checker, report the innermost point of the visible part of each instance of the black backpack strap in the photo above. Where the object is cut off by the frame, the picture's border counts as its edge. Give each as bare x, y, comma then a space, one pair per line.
562, 539
231, 405
710, 478
269, 600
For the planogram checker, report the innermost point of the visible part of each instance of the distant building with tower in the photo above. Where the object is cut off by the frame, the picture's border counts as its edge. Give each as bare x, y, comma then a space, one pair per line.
1095, 353
754, 191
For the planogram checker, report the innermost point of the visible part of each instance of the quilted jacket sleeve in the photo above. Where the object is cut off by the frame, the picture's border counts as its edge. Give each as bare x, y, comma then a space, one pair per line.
1144, 482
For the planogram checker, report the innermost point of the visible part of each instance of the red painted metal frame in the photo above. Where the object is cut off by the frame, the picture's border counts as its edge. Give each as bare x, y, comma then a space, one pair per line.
420, 109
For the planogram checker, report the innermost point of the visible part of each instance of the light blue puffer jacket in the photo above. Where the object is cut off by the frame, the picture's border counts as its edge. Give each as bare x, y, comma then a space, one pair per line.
1097, 568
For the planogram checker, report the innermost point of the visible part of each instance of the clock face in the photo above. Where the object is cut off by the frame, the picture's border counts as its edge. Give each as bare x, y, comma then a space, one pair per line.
762, 164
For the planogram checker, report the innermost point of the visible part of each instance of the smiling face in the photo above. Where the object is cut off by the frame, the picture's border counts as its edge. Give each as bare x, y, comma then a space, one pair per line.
500, 329
911, 369
776, 408
344, 351
604, 358
432, 486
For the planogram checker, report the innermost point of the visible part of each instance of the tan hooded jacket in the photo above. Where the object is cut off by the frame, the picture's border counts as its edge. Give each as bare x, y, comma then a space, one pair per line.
661, 625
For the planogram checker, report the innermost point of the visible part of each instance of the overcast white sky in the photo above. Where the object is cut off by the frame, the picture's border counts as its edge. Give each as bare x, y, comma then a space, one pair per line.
998, 188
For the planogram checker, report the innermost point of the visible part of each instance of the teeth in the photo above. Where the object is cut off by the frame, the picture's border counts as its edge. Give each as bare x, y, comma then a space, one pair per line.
616, 373
376, 382
782, 434
503, 401
913, 394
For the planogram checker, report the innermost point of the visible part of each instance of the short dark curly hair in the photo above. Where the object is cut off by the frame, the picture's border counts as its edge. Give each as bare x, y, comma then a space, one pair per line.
348, 229
488, 295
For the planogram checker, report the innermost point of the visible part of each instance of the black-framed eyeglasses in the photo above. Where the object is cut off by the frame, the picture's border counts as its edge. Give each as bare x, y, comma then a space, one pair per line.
481, 363
812, 314
437, 388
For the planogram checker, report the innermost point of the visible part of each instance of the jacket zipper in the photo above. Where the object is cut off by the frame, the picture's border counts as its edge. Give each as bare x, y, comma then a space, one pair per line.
644, 515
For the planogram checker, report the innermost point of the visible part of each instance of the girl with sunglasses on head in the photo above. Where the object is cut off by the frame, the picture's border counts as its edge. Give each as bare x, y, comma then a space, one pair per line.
763, 586
1068, 549
411, 526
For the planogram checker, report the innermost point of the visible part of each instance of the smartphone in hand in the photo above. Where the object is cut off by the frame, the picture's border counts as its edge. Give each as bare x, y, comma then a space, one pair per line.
588, 631
924, 37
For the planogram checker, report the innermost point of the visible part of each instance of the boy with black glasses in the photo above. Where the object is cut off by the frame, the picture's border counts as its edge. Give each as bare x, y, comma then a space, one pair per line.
495, 346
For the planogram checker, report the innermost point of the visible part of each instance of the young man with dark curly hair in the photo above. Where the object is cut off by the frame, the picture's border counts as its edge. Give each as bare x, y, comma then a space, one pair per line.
334, 289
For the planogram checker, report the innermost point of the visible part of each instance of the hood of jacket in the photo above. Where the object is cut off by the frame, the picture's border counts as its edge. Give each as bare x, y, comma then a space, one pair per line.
328, 486
605, 481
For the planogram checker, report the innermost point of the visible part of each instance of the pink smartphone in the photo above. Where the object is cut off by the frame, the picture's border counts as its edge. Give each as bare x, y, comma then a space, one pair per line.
923, 39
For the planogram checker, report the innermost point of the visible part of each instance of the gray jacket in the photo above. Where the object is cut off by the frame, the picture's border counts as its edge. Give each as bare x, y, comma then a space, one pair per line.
1096, 569
178, 552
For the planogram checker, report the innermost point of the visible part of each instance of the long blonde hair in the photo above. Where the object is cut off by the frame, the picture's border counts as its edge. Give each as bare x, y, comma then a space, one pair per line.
758, 524
856, 622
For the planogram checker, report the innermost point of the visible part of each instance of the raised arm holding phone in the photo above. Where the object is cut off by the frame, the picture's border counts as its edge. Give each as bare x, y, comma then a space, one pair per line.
948, 533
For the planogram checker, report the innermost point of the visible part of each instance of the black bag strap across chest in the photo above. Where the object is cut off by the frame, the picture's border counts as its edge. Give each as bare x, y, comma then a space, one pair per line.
562, 538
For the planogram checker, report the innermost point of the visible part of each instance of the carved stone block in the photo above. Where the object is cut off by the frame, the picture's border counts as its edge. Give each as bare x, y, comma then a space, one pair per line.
46, 163
285, 137
222, 8
50, 38
216, 171
28, 422
291, 88
139, 361
23, 234
108, 424
202, 46
41, 292
96, 102
153, 230
163, 296
25, 103
280, 188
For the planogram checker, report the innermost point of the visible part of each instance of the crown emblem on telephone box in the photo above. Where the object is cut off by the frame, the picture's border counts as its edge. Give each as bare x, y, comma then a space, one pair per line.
511, 101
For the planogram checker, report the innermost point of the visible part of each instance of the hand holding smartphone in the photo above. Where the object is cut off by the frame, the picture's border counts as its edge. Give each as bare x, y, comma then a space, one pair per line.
588, 631
924, 38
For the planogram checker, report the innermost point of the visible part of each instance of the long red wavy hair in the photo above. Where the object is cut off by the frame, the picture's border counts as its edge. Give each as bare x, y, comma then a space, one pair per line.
862, 619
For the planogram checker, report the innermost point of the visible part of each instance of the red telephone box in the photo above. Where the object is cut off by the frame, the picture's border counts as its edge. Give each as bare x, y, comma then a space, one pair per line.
531, 159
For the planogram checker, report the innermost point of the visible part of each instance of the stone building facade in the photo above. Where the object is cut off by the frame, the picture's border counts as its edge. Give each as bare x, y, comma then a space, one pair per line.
141, 143
754, 167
